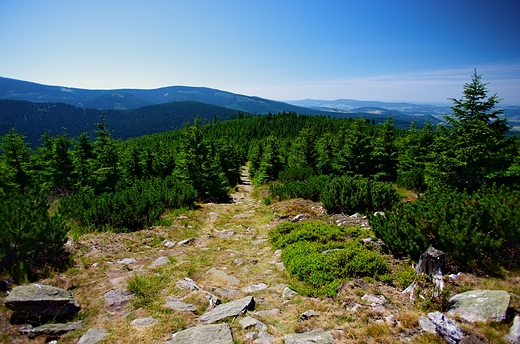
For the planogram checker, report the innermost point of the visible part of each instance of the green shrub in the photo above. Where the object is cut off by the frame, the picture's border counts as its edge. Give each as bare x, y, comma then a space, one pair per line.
355, 194
30, 239
129, 207
324, 255
477, 231
310, 189
295, 173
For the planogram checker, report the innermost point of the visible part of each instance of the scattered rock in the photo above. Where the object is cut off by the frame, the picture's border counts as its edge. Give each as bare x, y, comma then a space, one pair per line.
159, 261
179, 306
269, 312
93, 336
299, 218
374, 300
42, 300
254, 287
51, 329
480, 305
215, 334
168, 244
514, 333
143, 322
277, 253
116, 299
224, 292
263, 338
188, 284
226, 310
213, 300
307, 315
288, 292
446, 327
230, 279
427, 326
223, 234
250, 322
186, 241
315, 336
127, 261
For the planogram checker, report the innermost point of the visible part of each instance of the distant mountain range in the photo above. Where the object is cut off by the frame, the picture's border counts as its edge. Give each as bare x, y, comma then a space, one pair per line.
34, 108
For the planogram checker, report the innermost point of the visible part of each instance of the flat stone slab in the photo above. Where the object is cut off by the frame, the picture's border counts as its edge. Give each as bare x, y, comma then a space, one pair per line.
180, 306
42, 300
116, 299
143, 322
215, 334
249, 322
254, 287
93, 336
230, 279
188, 284
159, 261
312, 337
480, 305
226, 310
52, 329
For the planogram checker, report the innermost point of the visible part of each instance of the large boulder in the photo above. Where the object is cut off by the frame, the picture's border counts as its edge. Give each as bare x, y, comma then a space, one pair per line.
226, 310
42, 300
215, 334
480, 305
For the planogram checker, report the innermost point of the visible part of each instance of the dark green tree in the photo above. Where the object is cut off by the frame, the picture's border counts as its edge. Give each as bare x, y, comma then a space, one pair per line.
473, 148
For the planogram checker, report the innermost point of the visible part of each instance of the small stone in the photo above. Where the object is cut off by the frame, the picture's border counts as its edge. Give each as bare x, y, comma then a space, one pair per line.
127, 261
93, 336
168, 243
180, 306
288, 292
374, 300
446, 327
277, 253
249, 322
186, 241
299, 217
143, 322
513, 336
188, 284
159, 261
255, 287
307, 315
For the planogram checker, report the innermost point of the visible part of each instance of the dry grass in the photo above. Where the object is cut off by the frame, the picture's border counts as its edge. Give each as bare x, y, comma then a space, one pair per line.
247, 256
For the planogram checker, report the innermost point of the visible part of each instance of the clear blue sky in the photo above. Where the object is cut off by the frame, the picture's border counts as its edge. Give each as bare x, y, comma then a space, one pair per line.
400, 50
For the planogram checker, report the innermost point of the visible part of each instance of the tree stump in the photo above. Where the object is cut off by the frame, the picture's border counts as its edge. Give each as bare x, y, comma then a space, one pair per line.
430, 263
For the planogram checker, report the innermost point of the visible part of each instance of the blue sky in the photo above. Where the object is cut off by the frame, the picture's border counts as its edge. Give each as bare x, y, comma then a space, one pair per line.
400, 50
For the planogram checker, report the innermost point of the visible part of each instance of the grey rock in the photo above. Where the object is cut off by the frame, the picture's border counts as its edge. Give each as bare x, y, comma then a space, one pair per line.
224, 292
480, 305
213, 300
312, 337
269, 312
127, 261
42, 300
93, 336
427, 326
116, 299
159, 261
51, 329
226, 310
374, 300
264, 338
513, 336
186, 241
230, 279
180, 306
259, 242
223, 234
215, 334
188, 284
249, 322
143, 322
446, 327
307, 315
288, 292
254, 287
277, 253
299, 218
168, 244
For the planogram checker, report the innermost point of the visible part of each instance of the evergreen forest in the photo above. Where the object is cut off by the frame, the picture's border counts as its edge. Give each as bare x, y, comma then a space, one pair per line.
465, 173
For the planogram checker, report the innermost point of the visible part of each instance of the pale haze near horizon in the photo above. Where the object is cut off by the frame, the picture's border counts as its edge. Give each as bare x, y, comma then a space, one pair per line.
421, 52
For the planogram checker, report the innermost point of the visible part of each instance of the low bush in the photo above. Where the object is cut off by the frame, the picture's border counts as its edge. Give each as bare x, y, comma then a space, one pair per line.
295, 174
129, 207
31, 240
322, 255
310, 189
477, 230
355, 194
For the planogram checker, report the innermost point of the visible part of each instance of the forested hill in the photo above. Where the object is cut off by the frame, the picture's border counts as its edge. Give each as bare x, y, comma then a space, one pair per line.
33, 119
